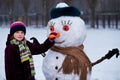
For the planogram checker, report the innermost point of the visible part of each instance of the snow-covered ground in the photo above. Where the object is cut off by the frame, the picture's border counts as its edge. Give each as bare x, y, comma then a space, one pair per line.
97, 44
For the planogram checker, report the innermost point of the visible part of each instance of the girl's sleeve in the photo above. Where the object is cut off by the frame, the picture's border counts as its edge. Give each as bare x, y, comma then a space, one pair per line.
10, 69
40, 48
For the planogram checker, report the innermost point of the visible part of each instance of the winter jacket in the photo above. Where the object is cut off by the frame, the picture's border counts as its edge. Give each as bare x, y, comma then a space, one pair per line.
14, 69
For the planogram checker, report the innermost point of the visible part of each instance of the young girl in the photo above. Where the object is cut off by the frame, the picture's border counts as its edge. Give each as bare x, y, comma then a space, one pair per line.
18, 53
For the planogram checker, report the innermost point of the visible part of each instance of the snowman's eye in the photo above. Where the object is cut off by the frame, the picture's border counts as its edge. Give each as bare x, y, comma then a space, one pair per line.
65, 28
51, 28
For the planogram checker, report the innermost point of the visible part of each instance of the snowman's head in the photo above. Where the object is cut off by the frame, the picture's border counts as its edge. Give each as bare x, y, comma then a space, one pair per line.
70, 27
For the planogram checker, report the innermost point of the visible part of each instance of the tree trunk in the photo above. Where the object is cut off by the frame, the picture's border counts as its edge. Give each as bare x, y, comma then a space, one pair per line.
93, 18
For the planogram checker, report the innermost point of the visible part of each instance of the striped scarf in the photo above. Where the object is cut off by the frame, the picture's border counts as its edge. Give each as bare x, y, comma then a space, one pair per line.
25, 53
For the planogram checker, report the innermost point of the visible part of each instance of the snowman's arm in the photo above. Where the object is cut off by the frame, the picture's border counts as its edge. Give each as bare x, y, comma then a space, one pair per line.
107, 56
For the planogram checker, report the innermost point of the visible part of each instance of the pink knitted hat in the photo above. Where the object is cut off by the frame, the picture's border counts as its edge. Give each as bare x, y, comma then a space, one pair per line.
17, 26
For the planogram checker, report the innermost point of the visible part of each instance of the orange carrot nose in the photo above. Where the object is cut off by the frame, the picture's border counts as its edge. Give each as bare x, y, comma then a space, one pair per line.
51, 36
58, 35
54, 35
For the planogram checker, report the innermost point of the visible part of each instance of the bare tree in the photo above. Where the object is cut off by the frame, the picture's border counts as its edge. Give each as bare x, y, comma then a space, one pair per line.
36, 11
26, 4
92, 5
0, 16
47, 4
10, 6
0, 3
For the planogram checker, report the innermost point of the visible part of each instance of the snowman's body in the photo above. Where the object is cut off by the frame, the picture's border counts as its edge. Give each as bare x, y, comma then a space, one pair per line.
73, 37
52, 63
72, 34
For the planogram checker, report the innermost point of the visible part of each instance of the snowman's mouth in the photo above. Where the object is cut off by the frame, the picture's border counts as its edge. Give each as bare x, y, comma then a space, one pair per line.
60, 42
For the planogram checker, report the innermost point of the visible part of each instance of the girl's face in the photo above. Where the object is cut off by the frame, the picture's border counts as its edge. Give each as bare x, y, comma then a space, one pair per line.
19, 35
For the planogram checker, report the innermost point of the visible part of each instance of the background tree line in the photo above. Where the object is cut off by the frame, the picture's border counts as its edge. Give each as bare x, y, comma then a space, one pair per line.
37, 11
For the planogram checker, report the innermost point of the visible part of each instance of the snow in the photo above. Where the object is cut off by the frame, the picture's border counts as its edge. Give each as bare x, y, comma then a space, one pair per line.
97, 44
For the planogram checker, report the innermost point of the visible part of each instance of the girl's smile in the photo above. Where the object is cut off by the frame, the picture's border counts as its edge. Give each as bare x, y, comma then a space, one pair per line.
19, 35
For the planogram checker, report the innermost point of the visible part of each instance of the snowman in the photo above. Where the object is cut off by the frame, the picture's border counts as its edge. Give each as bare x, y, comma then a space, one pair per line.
66, 60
